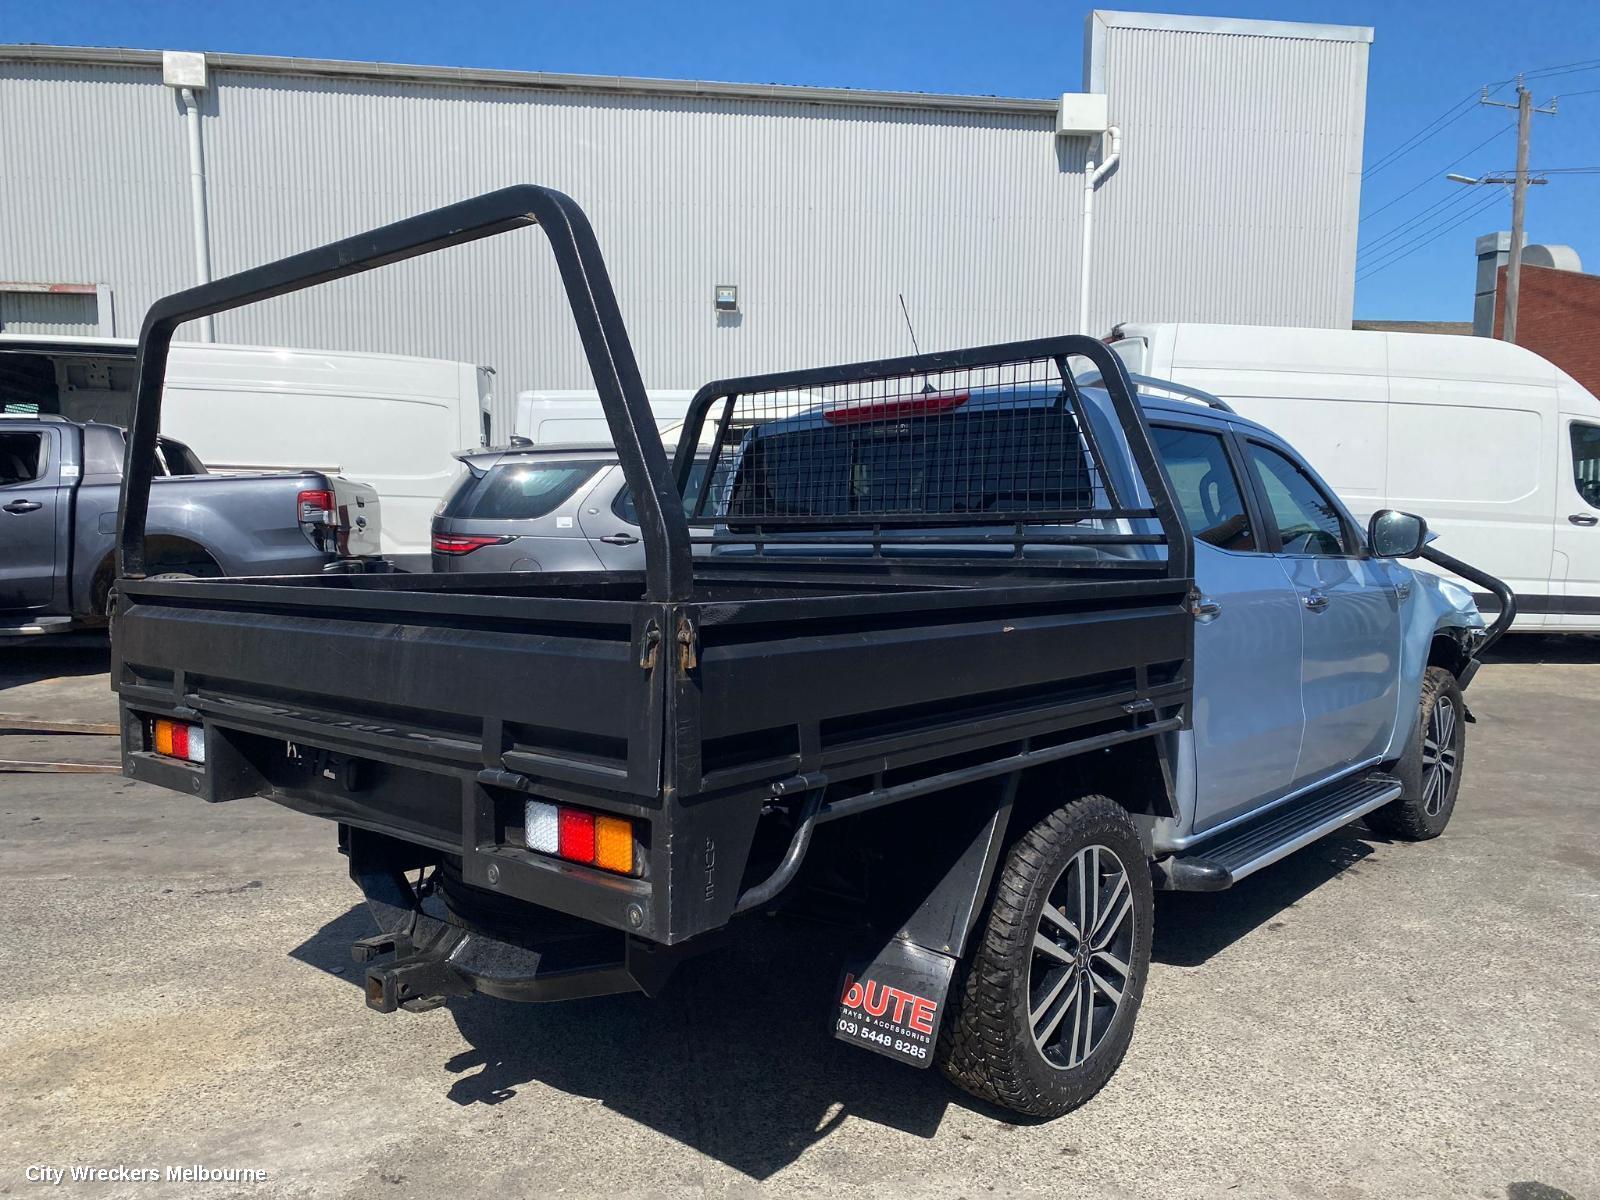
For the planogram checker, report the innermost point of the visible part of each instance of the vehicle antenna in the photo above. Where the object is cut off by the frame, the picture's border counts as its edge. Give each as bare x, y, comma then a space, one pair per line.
909, 330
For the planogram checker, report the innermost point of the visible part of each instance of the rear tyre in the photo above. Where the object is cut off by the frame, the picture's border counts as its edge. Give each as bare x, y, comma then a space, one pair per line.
1045, 1009
1431, 769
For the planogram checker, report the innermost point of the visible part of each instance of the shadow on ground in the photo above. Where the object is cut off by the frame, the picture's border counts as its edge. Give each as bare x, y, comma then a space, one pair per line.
736, 1057
1193, 926
30, 663
1545, 648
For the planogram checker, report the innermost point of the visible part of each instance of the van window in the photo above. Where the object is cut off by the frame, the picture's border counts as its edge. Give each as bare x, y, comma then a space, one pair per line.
1586, 462
1308, 521
1205, 485
518, 490
21, 458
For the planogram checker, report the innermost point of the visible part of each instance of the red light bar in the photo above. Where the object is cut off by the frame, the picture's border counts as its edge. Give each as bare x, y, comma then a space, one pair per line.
458, 543
888, 410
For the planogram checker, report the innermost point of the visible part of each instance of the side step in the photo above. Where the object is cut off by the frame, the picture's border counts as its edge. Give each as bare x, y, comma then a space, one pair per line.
1222, 860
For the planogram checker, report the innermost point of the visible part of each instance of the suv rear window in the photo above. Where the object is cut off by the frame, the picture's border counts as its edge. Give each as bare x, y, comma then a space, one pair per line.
518, 490
1005, 460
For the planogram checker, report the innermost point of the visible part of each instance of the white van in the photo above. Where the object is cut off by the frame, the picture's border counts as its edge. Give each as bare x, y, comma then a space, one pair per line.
390, 421
553, 417
1497, 448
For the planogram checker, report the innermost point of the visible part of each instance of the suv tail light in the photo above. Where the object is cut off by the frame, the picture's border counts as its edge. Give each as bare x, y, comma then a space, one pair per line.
317, 507
459, 543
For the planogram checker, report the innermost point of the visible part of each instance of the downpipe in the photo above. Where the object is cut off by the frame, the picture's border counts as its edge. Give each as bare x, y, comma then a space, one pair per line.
1091, 180
197, 201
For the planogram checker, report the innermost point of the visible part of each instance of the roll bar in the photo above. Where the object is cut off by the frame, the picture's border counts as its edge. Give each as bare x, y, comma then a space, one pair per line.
668, 567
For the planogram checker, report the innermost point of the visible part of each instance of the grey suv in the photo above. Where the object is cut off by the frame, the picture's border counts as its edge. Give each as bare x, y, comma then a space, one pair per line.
541, 508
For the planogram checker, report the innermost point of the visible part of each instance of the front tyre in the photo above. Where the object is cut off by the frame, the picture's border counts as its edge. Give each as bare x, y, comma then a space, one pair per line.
1046, 1009
1431, 770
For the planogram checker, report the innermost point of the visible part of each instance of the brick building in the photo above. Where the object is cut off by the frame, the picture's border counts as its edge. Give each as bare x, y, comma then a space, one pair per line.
1558, 318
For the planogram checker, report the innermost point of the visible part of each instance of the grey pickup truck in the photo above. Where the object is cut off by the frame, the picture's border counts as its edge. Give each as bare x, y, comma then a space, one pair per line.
59, 485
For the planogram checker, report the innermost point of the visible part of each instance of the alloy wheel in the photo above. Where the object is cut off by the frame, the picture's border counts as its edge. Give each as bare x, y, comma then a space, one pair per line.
1439, 755
1082, 948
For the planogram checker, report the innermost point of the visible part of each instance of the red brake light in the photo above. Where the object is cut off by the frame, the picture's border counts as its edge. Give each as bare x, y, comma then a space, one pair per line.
924, 405
575, 835
316, 507
455, 543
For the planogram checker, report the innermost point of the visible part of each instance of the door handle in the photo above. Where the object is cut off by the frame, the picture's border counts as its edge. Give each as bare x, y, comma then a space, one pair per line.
620, 539
1316, 601
1584, 519
1204, 608
23, 506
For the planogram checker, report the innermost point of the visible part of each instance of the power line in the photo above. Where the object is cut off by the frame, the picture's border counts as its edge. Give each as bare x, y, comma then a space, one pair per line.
1423, 236
1432, 175
1412, 248
1586, 64
1455, 197
1429, 131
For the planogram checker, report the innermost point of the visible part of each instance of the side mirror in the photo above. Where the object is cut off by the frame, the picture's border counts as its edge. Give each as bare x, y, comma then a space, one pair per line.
1393, 534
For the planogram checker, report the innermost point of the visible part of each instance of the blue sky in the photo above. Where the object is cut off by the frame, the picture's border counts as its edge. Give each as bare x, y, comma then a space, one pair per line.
1428, 58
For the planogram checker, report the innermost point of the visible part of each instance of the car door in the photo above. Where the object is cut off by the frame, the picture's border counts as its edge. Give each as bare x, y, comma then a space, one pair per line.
29, 496
1349, 615
611, 522
1247, 716
1578, 527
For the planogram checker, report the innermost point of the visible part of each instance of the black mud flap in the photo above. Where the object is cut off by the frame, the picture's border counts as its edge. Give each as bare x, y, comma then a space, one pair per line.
894, 1003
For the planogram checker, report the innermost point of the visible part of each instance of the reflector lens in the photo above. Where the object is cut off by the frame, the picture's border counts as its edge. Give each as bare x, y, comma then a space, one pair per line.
177, 740
539, 827
613, 844
575, 835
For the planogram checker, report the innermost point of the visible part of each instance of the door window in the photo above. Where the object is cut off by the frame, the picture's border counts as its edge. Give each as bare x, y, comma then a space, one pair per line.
625, 508
1586, 462
1308, 521
22, 458
1206, 487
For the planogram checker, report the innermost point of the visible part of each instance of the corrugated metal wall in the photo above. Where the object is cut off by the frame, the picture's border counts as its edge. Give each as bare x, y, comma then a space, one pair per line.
1240, 185
822, 214
49, 312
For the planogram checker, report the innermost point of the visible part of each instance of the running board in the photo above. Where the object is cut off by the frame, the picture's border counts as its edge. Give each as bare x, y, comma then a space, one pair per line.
1222, 860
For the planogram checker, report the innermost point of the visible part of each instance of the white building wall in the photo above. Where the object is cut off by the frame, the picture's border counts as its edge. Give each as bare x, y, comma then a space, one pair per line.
1239, 189
823, 206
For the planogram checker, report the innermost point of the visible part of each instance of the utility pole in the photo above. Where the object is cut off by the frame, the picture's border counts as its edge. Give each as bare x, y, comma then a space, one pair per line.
1519, 196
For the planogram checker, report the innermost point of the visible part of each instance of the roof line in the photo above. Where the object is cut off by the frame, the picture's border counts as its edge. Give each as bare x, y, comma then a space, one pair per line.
1238, 26
540, 81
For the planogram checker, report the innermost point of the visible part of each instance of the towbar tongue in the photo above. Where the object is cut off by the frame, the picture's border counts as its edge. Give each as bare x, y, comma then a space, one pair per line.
894, 1002
419, 978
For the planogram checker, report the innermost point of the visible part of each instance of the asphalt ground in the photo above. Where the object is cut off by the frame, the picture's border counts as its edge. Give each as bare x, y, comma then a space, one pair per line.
1364, 1019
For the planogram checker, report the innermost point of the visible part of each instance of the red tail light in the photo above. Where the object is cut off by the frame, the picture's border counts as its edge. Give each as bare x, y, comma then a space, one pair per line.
316, 507
889, 410
454, 543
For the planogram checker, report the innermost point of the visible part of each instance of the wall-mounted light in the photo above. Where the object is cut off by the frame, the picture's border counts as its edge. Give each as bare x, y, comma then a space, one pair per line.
726, 298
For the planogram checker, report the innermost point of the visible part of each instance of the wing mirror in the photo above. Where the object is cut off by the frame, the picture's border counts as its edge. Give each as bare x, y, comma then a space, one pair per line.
1393, 534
